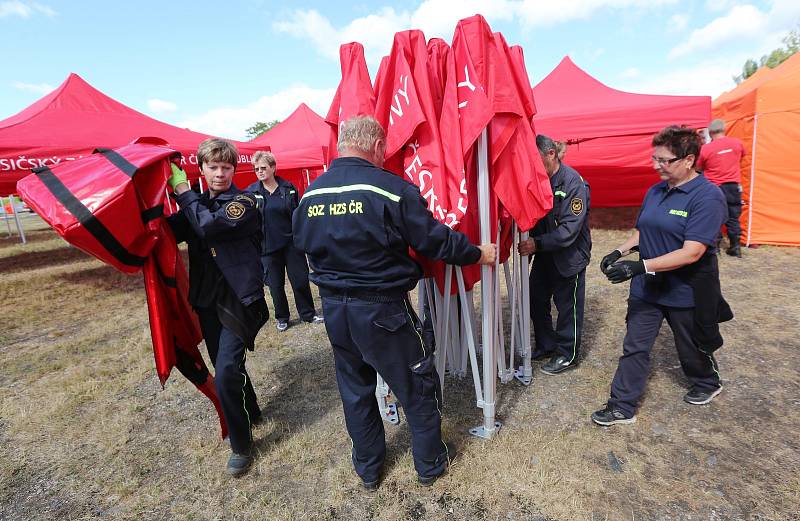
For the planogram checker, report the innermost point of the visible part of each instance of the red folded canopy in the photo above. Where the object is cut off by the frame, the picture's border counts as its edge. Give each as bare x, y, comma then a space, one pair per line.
300, 145
612, 130
73, 120
110, 204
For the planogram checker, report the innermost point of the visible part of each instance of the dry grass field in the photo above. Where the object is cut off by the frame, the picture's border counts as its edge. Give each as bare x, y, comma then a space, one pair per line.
86, 432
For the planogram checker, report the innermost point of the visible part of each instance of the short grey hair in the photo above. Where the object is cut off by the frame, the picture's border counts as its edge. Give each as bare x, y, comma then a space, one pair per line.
545, 144
716, 126
359, 133
265, 156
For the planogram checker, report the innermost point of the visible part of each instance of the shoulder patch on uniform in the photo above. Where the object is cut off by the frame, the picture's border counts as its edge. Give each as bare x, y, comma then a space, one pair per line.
234, 210
246, 199
576, 205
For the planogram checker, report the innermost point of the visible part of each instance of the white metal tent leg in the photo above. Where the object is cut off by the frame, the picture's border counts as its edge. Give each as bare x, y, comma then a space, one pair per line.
467, 315
490, 426
16, 219
6, 217
525, 373
455, 344
513, 297
752, 181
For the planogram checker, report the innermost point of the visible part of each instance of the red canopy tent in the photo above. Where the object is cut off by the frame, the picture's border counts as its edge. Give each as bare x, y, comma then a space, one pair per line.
300, 144
75, 119
610, 130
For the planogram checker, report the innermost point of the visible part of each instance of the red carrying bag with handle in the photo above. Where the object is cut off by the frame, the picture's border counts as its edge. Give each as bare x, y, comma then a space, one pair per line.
111, 205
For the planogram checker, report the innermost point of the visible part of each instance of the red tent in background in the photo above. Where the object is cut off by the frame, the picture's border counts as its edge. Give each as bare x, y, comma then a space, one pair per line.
610, 130
300, 145
75, 119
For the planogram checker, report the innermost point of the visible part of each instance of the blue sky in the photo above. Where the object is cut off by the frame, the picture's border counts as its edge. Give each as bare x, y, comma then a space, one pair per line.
218, 67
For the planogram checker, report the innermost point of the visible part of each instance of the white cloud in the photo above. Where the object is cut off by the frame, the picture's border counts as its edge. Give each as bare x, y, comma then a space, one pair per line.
38, 88
631, 72
677, 23
232, 121
436, 18
744, 23
161, 106
24, 9
706, 78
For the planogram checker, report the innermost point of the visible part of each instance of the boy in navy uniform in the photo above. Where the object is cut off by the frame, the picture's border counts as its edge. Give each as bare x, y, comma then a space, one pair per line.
223, 230
562, 244
356, 223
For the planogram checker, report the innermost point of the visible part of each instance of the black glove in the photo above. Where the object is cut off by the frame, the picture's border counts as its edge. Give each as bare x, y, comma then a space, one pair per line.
610, 259
624, 270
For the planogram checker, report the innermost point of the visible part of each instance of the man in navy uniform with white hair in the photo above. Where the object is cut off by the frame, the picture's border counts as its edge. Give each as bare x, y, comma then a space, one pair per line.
357, 223
562, 246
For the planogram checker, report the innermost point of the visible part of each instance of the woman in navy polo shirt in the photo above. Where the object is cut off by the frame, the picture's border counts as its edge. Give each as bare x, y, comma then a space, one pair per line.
676, 235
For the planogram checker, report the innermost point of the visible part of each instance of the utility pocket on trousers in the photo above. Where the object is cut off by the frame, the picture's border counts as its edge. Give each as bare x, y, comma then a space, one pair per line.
425, 376
392, 323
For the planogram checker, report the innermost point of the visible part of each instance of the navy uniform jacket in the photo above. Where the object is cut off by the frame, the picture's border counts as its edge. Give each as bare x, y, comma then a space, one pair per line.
356, 222
276, 214
229, 228
564, 231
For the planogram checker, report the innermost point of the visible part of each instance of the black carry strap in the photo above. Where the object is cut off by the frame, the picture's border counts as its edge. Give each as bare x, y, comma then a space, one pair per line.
118, 161
85, 217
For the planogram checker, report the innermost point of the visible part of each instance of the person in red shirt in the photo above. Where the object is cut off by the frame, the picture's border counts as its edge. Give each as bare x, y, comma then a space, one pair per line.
719, 160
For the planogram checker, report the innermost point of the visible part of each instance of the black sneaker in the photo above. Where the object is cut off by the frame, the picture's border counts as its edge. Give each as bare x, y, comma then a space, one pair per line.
282, 325
316, 320
734, 251
238, 464
611, 416
698, 397
557, 364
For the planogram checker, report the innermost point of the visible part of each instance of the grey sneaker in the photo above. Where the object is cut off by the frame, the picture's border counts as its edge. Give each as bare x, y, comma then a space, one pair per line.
611, 416
238, 464
698, 397
282, 325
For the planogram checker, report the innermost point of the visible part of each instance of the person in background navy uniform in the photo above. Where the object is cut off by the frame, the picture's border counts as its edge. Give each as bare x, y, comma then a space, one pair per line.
223, 230
676, 278
357, 223
279, 254
562, 245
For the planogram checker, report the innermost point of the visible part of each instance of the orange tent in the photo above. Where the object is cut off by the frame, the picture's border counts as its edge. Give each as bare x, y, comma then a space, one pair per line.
764, 112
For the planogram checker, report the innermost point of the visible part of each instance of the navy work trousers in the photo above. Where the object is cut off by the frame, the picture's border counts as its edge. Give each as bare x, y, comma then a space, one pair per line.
369, 338
568, 295
644, 321
733, 197
234, 388
276, 265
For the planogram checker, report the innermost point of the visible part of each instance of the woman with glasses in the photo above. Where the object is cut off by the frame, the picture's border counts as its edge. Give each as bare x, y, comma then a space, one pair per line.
676, 278
279, 255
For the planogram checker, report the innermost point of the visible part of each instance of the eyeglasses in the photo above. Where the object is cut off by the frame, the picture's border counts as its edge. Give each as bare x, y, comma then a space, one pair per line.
666, 160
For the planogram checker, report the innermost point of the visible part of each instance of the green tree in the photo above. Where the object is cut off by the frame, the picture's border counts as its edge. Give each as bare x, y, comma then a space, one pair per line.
791, 45
260, 127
